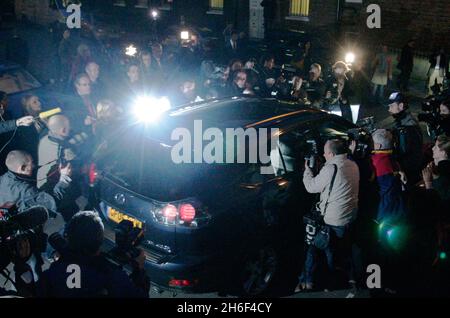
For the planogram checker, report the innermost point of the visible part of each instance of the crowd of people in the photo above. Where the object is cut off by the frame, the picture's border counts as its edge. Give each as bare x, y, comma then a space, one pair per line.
102, 91
401, 188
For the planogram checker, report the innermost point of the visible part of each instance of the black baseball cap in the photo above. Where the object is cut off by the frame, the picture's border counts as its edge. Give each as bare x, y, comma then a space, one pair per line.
397, 97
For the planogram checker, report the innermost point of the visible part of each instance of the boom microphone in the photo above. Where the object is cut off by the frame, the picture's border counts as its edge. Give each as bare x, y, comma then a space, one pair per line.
50, 113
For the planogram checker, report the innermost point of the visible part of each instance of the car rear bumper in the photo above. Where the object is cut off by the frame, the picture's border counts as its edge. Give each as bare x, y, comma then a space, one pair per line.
202, 272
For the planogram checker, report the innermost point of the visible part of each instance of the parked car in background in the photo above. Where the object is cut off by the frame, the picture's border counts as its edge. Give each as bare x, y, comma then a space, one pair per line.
17, 82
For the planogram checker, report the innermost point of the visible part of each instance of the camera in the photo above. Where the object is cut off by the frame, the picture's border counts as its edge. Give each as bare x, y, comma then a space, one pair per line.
312, 153
367, 123
282, 89
127, 238
16, 228
363, 141
431, 112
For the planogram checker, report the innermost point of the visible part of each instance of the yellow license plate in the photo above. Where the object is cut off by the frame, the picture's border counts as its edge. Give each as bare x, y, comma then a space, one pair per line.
118, 217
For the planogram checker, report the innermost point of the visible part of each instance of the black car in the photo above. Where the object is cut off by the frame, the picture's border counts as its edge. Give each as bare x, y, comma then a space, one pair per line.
209, 225
17, 82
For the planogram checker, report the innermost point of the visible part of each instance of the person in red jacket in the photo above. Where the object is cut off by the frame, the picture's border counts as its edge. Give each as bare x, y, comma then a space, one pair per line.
389, 178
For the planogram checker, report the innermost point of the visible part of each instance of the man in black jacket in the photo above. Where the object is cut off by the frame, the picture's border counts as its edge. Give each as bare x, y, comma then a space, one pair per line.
436, 175
315, 87
405, 65
17, 186
7, 127
339, 90
18, 189
444, 121
82, 271
408, 136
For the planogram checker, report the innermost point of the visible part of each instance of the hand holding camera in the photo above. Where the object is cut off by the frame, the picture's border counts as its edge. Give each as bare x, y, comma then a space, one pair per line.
65, 173
66, 170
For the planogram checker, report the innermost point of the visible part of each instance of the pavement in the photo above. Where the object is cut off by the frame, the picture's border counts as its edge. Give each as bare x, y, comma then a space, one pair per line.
344, 293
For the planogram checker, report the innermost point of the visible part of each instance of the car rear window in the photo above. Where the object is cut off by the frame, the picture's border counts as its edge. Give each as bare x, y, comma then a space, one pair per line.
17, 80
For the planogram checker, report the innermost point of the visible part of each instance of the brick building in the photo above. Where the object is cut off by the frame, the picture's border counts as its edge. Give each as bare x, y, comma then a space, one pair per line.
426, 20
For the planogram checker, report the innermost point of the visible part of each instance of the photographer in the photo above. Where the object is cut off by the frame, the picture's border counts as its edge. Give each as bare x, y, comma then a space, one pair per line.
436, 175
268, 75
17, 186
55, 151
408, 136
315, 86
339, 90
97, 277
444, 114
238, 85
338, 185
10, 125
8, 128
436, 114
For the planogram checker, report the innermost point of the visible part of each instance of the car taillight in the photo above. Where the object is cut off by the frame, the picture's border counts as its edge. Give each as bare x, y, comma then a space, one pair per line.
170, 212
93, 174
187, 213
182, 282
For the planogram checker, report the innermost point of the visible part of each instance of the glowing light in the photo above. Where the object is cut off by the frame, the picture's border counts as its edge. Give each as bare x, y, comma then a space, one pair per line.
336, 112
154, 14
389, 233
184, 35
443, 255
350, 58
149, 109
355, 112
131, 50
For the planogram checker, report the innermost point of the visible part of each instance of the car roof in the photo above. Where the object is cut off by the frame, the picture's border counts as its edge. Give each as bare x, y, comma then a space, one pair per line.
269, 110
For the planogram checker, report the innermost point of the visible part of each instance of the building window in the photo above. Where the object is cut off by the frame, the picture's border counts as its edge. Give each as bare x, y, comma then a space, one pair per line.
119, 3
216, 5
299, 8
141, 4
165, 4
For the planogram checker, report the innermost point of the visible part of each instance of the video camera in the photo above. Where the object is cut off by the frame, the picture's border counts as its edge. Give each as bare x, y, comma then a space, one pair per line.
283, 85
127, 239
431, 112
363, 141
312, 154
367, 123
16, 227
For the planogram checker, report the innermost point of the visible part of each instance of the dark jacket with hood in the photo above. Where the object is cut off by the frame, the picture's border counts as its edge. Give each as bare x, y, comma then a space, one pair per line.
21, 191
409, 148
7, 126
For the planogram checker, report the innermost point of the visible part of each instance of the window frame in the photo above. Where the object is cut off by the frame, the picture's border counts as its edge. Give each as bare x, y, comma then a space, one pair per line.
299, 17
215, 10
142, 6
119, 3
166, 6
